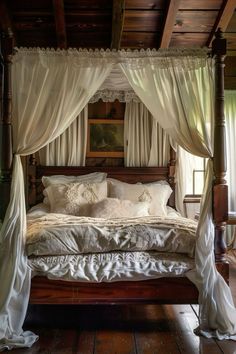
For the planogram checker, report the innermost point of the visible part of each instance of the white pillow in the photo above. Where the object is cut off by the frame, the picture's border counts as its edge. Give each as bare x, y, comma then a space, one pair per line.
116, 208
72, 197
62, 179
157, 194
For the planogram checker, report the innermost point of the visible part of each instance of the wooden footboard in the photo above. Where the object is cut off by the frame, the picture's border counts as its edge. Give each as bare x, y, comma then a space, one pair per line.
163, 290
172, 290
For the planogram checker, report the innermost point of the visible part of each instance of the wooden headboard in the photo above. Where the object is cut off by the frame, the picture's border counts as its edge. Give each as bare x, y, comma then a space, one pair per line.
125, 174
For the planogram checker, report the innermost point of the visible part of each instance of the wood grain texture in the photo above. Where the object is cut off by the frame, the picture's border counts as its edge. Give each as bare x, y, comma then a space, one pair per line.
118, 11
59, 15
224, 16
169, 23
163, 290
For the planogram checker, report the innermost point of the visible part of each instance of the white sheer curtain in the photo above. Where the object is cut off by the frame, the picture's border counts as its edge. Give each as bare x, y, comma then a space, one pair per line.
186, 163
69, 149
178, 91
50, 89
230, 117
146, 143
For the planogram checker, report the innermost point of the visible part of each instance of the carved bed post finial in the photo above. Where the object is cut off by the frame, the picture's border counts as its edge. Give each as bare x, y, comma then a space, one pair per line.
220, 188
6, 127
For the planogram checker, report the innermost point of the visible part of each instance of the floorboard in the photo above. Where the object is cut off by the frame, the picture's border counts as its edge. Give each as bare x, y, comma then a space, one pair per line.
136, 329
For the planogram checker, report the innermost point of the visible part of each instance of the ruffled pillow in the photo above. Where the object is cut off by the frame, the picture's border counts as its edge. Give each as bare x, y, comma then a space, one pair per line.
116, 208
72, 198
157, 194
94, 177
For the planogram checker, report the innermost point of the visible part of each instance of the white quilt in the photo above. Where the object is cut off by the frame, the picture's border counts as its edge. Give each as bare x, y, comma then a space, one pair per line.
58, 234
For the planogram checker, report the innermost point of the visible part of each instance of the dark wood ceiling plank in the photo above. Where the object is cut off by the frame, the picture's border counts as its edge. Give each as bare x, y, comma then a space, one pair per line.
144, 4
59, 14
169, 23
195, 21
200, 4
6, 24
117, 23
223, 18
143, 21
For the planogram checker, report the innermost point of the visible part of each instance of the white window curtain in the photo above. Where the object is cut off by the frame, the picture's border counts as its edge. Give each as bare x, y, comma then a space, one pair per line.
230, 117
178, 91
69, 149
50, 89
185, 164
146, 143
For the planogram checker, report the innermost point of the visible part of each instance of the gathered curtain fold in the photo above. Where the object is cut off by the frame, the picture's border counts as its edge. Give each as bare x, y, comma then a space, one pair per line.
146, 143
179, 92
49, 90
69, 149
230, 118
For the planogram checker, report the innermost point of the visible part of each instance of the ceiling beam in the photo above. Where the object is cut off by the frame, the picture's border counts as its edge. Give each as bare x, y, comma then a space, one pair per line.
169, 23
223, 18
59, 15
118, 12
6, 24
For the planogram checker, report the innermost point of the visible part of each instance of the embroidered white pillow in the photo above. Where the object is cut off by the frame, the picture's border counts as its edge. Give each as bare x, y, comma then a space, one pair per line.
70, 198
94, 177
156, 194
117, 208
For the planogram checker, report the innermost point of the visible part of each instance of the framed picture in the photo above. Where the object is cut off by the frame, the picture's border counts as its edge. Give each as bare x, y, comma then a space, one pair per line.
105, 138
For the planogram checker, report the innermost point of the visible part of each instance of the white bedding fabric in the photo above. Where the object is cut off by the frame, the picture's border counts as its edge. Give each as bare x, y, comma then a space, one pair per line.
58, 234
111, 267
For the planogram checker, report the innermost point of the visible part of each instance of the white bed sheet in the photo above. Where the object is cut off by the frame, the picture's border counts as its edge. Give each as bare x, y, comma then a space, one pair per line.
111, 267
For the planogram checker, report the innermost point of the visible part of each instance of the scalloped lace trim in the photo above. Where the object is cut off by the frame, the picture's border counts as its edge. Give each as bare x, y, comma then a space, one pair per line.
111, 96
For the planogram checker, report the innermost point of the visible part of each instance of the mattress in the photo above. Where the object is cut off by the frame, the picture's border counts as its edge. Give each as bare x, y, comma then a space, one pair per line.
100, 250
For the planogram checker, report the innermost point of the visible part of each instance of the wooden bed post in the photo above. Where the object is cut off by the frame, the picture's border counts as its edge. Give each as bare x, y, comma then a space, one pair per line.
220, 188
5, 124
171, 177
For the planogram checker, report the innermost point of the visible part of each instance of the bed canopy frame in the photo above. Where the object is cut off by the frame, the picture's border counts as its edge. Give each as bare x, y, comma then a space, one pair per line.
148, 291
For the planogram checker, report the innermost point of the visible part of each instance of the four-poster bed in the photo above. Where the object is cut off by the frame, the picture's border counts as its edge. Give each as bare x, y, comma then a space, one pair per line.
163, 290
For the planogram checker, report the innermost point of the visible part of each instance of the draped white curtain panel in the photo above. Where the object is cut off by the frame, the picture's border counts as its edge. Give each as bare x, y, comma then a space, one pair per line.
230, 117
50, 89
146, 143
179, 92
69, 149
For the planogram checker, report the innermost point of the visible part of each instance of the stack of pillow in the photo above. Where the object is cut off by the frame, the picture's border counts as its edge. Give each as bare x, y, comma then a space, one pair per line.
95, 195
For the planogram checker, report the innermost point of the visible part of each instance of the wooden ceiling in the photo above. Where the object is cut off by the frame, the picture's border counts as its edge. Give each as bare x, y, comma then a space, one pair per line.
122, 24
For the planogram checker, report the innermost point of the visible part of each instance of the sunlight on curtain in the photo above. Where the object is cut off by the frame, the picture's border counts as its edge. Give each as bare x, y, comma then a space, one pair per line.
69, 149
179, 92
50, 89
186, 181
230, 118
146, 143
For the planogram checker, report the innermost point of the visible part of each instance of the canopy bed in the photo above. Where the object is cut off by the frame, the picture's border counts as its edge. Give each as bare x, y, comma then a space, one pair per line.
49, 90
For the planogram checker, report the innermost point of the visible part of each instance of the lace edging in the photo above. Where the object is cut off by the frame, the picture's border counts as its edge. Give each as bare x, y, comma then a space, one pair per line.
111, 96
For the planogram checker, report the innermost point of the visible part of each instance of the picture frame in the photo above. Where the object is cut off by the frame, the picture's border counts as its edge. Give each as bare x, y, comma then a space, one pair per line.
105, 138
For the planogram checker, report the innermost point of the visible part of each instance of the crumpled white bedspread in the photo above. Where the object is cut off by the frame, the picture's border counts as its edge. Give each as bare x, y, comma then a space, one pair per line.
59, 234
112, 266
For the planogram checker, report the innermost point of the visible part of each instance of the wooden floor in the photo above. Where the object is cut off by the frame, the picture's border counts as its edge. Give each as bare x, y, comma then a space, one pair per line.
140, 329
